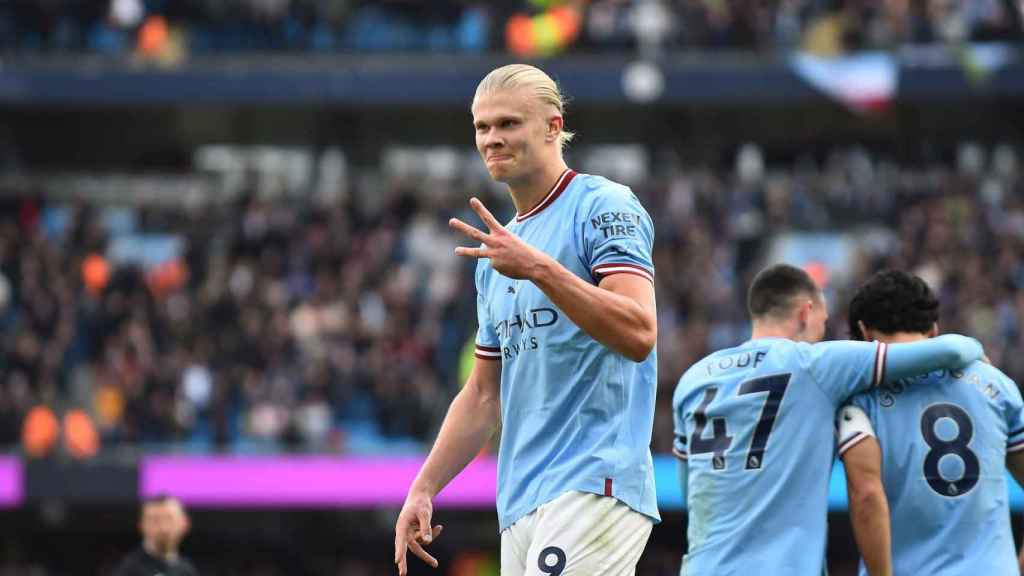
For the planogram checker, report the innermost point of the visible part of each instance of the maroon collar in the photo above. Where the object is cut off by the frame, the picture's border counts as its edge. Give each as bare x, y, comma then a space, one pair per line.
556, 191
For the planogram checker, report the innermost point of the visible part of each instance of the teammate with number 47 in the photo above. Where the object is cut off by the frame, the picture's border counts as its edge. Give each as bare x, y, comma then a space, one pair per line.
564, 353
754, 428
944, 442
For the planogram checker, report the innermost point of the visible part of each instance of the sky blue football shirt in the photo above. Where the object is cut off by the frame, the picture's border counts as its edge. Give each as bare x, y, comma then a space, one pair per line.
944, 439
754, 425
575, 414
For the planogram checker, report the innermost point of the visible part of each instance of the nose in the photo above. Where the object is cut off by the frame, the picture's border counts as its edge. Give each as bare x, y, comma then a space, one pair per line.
492, 140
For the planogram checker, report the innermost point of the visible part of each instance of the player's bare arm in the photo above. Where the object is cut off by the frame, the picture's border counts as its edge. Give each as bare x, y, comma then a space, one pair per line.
869, 508
619, 313
471, 420
1015, 464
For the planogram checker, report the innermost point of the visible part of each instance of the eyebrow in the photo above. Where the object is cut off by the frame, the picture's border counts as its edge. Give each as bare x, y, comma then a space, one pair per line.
498, 120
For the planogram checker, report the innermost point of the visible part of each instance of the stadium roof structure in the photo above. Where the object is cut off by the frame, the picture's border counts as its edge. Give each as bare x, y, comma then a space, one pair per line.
924, 72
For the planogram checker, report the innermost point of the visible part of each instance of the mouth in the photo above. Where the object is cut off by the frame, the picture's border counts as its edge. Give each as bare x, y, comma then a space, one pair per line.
499, 158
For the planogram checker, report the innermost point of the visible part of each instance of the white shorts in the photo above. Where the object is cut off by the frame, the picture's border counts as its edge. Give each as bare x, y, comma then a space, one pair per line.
576, 534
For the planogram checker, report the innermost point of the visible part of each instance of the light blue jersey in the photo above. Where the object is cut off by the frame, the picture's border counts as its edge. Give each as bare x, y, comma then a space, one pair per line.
575, 414
944, 439
754, 425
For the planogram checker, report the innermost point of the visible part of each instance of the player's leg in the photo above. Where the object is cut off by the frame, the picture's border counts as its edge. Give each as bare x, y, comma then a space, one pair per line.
515, 544
580, 534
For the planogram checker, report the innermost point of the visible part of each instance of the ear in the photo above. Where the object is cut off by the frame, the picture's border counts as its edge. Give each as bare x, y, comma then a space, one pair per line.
555, 125
934, 330
803, 313
863, 330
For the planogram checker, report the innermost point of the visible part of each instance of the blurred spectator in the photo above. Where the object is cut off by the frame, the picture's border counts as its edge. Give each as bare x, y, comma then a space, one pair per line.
163, 524
165, 30
281, 322
332, 327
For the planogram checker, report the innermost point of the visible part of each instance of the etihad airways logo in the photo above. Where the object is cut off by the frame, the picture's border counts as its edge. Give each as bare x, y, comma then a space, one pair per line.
529, 320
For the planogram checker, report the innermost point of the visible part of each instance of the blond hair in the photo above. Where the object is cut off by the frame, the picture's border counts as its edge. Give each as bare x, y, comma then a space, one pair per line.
525, 76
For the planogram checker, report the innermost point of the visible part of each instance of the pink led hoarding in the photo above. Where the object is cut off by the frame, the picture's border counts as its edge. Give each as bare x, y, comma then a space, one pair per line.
306, 481
10, 482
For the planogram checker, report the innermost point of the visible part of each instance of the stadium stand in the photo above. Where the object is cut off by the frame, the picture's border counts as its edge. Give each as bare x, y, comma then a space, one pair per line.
223, 229
204, 26
268, 325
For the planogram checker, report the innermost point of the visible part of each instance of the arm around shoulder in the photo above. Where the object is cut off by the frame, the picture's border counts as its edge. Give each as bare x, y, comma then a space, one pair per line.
962, 349
949, 351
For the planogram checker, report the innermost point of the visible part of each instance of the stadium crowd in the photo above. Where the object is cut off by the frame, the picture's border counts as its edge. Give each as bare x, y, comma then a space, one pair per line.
341, 326
202, 26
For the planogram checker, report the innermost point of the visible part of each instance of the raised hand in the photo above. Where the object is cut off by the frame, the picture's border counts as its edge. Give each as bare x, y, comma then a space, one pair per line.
413, 531
509, 255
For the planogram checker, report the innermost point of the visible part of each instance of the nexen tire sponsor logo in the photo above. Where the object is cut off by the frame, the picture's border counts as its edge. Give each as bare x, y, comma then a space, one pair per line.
616, 224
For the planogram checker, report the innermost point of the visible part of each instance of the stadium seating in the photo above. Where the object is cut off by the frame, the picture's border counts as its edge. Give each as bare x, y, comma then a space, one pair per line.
272, 325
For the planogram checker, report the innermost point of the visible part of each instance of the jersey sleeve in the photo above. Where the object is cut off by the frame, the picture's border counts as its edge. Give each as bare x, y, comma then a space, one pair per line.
946, 352
844, 368
679, 448
615, 235
679, 444
488, 346
853, 424
1013, 409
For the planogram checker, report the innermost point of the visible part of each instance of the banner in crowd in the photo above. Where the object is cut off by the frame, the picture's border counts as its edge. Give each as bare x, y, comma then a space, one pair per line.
864, 83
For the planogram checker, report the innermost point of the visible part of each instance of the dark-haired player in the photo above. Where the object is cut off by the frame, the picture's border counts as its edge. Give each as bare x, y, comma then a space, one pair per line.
942, 448
754, 428
163, 524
